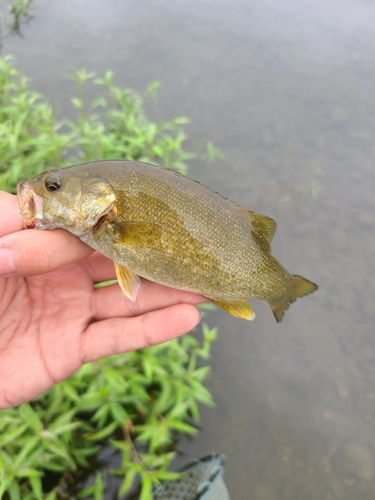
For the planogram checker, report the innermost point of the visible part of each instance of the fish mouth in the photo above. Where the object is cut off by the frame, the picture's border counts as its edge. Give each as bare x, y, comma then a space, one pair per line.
26, 203
31, 207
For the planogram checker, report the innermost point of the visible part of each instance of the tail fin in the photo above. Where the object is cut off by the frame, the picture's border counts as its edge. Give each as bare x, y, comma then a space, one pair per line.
301, 287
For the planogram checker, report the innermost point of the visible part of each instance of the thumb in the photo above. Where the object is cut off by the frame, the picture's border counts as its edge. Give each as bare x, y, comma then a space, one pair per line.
10, 220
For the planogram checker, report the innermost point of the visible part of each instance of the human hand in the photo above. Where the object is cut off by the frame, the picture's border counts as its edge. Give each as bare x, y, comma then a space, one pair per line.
52, 320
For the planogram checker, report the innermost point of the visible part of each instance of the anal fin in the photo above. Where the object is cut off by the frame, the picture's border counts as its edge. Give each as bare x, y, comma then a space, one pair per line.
237, 307
129, 282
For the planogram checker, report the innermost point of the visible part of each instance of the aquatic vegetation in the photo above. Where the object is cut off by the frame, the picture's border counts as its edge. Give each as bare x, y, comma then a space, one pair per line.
133, 405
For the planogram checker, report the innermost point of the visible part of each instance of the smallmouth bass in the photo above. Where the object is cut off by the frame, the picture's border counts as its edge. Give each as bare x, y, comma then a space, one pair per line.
156, 223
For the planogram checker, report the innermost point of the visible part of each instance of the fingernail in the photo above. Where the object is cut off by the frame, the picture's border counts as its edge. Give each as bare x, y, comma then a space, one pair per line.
200, 316
7, 267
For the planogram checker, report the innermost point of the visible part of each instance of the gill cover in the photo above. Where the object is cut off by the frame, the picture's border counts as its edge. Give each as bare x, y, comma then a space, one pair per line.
77, 204
97, 200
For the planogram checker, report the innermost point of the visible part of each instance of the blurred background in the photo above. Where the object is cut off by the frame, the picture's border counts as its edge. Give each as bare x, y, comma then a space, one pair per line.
286, 92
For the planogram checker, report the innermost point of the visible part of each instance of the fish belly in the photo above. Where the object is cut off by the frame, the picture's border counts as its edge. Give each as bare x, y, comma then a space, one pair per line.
184, 265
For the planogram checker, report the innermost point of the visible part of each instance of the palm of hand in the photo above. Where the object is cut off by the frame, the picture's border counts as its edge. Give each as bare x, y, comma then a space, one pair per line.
43, 330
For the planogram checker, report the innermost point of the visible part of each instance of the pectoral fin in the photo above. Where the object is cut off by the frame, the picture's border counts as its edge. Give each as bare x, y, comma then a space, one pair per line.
129, 282
137, 234
238, 307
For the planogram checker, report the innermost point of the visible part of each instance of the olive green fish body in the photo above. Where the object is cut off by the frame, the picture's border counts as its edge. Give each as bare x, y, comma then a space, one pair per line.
202, 243
158, 224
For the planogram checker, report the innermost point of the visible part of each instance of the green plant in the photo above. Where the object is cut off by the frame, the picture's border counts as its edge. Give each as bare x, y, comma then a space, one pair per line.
146, 397
137, 404
32, 140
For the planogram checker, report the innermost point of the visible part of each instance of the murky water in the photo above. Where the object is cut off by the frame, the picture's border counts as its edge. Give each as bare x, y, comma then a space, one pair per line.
286, 90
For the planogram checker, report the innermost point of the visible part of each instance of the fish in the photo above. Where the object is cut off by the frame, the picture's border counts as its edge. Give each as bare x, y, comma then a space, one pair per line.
202, 480
158, 224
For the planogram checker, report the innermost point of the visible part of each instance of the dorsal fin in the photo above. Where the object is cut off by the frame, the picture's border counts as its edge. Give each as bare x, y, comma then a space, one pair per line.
262, 224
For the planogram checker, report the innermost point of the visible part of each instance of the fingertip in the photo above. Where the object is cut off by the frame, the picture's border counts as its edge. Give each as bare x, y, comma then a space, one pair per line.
166, 324
193, 316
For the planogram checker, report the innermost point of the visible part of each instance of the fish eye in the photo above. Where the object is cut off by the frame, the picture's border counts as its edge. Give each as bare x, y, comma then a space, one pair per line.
53, 183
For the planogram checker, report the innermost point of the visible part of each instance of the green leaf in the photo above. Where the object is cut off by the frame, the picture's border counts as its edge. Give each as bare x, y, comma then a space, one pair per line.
65, 428
119, 413
128, 482
12, 435
90, 403
69, 390
169, 476
146, 488
209, 334
98, 487
31, 417
54, 467
179, 410
103, 433
36, 485
87, 492
148, 365
27, 472
51, 495
77, 102
201, 373
194, 411
58, 449
31, 445
182, 427
13, 491
124, 446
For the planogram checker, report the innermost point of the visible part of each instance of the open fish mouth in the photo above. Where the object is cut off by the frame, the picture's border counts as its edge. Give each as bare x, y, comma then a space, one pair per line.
27, 203
31, 206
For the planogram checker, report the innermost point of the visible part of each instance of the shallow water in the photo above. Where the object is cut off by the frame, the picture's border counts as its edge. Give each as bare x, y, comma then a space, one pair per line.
287, 93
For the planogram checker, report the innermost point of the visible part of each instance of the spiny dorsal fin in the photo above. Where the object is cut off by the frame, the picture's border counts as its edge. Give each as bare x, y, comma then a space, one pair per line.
129, 282
262, 224
236, 307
